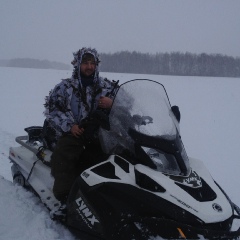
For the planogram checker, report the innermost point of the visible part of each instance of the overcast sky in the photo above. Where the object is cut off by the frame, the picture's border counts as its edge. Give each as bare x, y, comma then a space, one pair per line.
53, 29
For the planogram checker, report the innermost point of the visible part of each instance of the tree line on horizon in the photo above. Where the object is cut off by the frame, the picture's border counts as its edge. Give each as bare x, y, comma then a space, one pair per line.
175, 63
34, 63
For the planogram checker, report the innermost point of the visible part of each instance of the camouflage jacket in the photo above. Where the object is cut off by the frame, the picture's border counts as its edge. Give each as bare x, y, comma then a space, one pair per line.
67, 105
70, 102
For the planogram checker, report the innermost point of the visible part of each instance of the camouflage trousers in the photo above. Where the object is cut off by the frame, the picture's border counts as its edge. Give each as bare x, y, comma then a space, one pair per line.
64, 164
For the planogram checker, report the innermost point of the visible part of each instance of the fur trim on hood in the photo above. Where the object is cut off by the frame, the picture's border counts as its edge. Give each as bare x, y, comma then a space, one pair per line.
78, 59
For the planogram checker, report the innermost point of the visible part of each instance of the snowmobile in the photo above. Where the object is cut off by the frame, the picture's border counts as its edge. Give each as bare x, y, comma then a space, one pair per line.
144, 185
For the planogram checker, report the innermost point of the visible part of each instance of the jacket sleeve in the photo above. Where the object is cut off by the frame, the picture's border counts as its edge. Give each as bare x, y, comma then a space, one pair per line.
109, 88
58, 105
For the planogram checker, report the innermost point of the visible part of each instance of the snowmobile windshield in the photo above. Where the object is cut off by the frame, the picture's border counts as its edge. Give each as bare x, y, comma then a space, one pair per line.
143, 125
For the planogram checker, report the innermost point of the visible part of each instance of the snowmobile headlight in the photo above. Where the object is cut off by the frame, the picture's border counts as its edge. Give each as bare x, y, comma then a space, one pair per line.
165, 163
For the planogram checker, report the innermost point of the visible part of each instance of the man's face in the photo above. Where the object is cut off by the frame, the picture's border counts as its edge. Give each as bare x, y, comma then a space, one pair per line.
87, 68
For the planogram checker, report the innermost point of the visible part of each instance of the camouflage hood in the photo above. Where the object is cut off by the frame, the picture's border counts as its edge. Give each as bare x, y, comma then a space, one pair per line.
77, 61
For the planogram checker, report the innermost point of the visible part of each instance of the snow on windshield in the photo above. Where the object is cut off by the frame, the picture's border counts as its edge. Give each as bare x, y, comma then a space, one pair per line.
148, 107
141, 105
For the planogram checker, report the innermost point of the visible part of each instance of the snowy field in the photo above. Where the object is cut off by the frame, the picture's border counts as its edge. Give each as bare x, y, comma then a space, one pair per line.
209, 128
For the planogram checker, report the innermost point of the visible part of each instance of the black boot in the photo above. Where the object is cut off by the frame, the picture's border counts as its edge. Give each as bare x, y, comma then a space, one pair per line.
60, 213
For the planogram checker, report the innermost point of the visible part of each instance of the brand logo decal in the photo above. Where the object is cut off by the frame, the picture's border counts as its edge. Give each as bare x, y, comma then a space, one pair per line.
85, 213
183, 203
85, 174
217, 207
193, 180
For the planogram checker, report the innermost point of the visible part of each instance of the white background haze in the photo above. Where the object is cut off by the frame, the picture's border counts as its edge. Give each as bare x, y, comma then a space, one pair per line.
209, 128
54, 29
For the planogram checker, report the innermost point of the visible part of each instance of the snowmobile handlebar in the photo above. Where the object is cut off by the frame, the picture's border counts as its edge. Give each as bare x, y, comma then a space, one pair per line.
142, 120
97, 118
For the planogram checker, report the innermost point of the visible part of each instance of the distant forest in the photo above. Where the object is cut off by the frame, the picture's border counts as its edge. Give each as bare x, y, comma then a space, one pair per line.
34, 63
175, 63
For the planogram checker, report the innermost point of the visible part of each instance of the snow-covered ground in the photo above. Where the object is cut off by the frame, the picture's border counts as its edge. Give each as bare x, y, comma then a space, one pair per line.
209, 128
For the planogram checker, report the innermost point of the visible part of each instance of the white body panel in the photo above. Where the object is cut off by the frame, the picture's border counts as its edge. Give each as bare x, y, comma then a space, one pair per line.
174, 194
40, 179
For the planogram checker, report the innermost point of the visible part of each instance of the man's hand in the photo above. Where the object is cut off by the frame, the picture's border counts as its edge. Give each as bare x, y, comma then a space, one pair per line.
105, 102
76, 131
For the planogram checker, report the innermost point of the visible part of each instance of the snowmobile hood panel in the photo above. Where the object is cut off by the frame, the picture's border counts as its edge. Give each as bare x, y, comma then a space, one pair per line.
216, 210
109, 171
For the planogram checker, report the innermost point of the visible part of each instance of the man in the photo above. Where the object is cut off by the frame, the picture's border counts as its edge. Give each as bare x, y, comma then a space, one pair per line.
70, 102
